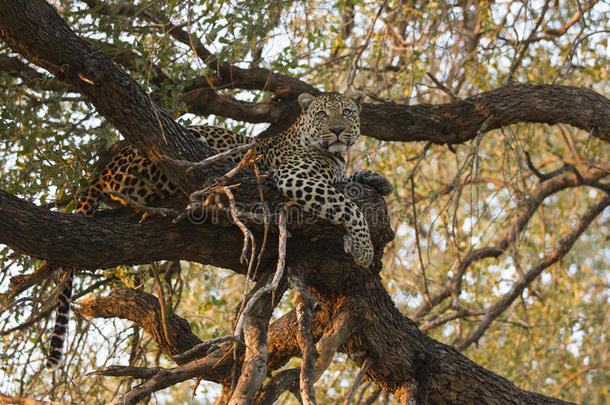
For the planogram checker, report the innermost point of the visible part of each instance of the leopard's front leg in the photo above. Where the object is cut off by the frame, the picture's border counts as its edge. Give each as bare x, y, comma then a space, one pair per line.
375, 180
323, 200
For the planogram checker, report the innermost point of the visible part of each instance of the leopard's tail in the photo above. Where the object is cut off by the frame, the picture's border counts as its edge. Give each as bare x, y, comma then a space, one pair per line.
60, 330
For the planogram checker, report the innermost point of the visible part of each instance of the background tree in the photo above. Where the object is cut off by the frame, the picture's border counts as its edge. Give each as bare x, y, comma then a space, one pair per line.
500, 253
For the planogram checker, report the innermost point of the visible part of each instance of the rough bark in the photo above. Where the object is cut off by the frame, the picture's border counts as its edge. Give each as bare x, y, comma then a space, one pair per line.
144, 310
460, 121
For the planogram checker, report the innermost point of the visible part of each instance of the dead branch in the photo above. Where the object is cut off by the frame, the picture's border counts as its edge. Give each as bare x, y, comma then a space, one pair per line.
340, 330
210, 160
217, 365
255, 320
162, 306
304, 308
248, 237
142, 208
279, 272
213, 185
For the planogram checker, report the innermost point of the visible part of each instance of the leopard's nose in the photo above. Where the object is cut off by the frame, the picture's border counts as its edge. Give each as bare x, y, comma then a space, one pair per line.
337, 130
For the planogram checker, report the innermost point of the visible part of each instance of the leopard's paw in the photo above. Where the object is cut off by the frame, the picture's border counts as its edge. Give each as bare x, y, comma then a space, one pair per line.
375, 180
361, 249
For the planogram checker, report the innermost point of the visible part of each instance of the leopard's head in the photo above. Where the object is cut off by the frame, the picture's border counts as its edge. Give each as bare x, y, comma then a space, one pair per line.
330, 122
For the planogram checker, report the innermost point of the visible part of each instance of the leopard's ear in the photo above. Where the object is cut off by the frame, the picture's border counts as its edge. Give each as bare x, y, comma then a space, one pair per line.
358, 98
305, 100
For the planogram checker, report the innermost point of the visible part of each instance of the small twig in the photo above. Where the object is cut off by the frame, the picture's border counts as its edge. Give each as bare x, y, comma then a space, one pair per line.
519, 57
547, 176
415, 226
357, 382
203, 348
567, 63
279, 272
265, 219
565, 168
196, 197
485, 124
143, 208
541, 176
442, 87
247, 160
352, 74
248, 237
208, 161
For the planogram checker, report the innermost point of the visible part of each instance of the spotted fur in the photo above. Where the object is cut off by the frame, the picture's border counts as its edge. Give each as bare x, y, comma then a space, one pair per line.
305, 160
55, 357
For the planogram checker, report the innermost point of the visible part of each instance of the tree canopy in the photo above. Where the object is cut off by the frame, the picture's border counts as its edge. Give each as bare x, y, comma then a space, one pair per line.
490, 284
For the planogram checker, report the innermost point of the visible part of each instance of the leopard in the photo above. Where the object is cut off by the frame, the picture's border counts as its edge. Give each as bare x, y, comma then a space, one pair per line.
305, 161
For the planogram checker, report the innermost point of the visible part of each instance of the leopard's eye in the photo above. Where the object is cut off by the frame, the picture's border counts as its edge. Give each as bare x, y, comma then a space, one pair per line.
347, 111
321, 114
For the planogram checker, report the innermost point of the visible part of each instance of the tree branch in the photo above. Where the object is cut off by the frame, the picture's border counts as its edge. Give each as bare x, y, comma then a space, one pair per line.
143, 309
499, 246
250, 79
460, 121
563, 246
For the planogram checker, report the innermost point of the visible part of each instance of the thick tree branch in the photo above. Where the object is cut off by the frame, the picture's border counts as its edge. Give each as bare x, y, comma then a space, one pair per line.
451, 123
144, 310
427, 367
108, 241
460, 121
